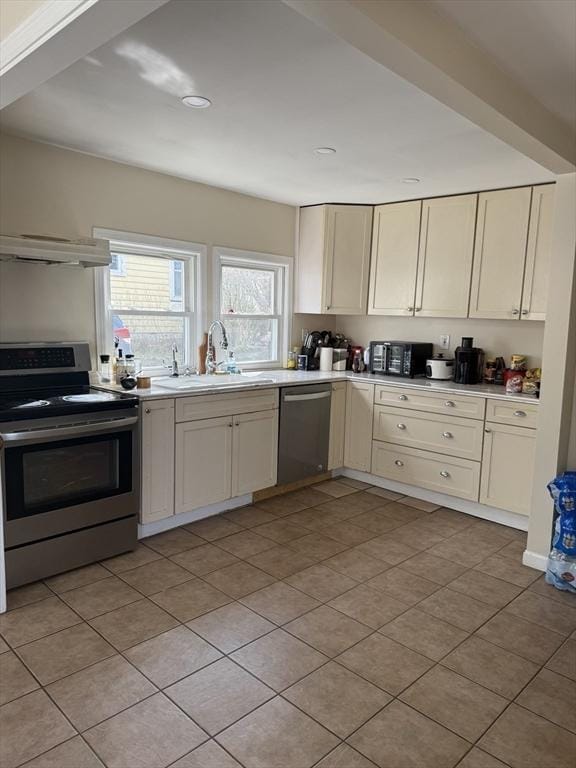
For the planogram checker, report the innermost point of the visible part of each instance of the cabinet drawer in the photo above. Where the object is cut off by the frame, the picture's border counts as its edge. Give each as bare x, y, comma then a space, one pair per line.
444, 474
430, 432
226, 404
516, 414
451, 405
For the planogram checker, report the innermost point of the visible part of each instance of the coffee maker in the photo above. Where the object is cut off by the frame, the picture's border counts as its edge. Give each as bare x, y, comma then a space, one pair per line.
468, 362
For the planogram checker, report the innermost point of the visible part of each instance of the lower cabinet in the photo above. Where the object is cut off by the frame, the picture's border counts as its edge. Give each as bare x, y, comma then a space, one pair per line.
507, 464
254, 451
358, 440
157, 460
337, 425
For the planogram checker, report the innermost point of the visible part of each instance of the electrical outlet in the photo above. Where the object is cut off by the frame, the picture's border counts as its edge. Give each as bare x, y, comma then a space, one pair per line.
445, 341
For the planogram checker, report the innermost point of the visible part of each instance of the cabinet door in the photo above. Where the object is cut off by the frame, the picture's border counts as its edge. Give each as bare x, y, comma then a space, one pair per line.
499, 253
535, 292
337, 425
445, 256
347, 259
254, 452
358, 441
507, 463
394, 263
157, 460
203, 463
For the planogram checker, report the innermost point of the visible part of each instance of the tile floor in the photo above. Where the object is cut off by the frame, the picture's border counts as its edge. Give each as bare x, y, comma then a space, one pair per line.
340, 626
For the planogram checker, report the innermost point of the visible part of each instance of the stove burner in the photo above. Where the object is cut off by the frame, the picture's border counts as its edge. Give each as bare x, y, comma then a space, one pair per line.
34, 404
90, 398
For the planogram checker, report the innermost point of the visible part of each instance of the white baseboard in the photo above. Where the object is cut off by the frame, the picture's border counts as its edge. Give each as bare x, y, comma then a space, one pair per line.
534, 560
175, 521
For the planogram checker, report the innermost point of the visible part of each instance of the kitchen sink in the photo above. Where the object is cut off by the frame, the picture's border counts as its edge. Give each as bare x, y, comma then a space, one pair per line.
223, 380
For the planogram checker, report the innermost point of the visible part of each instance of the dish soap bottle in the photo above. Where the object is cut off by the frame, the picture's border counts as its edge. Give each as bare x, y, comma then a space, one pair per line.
231, 363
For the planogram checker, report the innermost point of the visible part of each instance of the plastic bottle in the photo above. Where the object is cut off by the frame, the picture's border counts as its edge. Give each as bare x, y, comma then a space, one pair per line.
231, 363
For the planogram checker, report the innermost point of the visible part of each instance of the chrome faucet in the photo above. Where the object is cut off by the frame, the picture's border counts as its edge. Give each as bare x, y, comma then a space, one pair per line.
211, 364
175, 371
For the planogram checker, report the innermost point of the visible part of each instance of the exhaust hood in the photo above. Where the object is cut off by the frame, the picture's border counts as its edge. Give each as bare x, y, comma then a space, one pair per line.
39, 249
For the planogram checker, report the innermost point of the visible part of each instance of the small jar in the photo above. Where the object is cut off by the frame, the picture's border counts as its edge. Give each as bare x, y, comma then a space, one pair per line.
130, 366
104, 369
292, 361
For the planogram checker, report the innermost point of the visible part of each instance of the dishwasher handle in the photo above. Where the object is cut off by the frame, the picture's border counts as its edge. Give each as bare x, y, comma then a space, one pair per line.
310, 396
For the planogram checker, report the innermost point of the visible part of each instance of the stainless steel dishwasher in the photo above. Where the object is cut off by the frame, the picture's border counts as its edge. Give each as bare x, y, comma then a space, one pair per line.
304, 431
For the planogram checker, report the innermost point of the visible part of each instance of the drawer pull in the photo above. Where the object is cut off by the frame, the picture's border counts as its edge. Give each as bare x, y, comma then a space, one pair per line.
402, 397
409, 309
525, 311
450, 404
146, 410
515, 311
230, 425
444, 473
399, 463
487, 431
401, 426
519, 413
448, 435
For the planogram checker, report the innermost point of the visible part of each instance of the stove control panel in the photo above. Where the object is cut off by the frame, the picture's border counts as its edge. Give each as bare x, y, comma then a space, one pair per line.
16, 358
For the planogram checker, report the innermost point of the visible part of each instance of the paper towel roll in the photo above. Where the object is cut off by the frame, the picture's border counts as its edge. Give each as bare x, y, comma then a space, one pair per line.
326, 354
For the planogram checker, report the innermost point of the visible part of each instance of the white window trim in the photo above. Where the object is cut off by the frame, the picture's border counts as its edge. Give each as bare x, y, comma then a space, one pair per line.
121, 271
191, 253
256, 259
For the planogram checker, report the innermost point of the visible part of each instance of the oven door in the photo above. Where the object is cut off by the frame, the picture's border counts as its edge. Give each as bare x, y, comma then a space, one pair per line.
65, 477
395, 359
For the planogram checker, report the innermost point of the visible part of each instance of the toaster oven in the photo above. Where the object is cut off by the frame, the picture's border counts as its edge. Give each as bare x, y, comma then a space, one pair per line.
399, 358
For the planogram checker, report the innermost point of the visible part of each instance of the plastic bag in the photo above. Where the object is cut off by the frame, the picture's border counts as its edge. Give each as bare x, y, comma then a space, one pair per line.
561, 567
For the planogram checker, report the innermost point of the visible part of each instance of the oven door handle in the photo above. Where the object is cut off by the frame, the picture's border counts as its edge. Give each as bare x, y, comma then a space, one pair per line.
12, 439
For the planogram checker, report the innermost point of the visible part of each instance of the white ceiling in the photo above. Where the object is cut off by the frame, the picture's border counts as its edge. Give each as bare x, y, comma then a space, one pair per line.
280, 86
534, 41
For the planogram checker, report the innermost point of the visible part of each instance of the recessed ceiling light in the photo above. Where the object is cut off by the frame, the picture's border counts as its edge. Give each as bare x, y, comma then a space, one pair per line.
411, 180
196, 102
325, 150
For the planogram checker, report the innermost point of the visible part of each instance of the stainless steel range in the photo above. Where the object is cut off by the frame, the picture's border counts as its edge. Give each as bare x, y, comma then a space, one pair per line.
69, 462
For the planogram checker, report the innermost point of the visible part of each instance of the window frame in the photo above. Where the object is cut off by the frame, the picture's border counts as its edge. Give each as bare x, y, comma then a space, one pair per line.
194, 256
283, 268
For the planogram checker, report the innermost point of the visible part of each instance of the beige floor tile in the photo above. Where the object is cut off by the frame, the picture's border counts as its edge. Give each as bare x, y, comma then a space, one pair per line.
514, 551
405, 514
217, 696
45, 617
29, 726
248, 517
433, 568
522, 637
357, 565
278, 659
337, 698
464, 550
315, 518
71, 754
140, 556
408, 588
348, 507
477, 758
420, 504
417, 535
133, 624
280, 506
348, 533
423, 633
384, 494
345, 757
280, 602
321, 582
459, 704
279, 735
552, 696
334, 488
15, 678
280, 561
191, 599
359, 485
213, 528
99, 692
204, 559
388, 740
564, 660
239, 579
63, 653
377, 522
172, 655
100, 597
174, 541
385, 663
485, 588
541, 587
209, 755
153, 577
387, 549
245, 544
544, 612
507, 570
317, 546
435, 527
369, 606
231, 627
460, 610
151, 734
4, 647
521, 739
77, 578
281, 531
309, 497
30, 593
503, 672
330, 631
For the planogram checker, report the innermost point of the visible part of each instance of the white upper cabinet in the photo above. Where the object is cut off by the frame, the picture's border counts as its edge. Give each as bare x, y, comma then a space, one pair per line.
535, 292
394, 264
333, 259
500, 253
445, 256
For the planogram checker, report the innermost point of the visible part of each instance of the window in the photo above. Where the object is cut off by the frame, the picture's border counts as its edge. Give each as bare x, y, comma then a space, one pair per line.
252, 293
148, 300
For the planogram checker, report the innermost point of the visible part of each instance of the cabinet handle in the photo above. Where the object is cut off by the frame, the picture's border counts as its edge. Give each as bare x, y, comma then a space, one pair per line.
447, 434
450, 404
409, 309
525, 311
237, 424
444, 473
515, 311
328, 306
230, 425
519, 413
402, 397
487, 431
418, 309
146, 410
401, 426
399, 463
